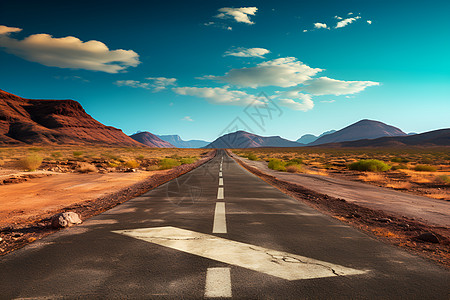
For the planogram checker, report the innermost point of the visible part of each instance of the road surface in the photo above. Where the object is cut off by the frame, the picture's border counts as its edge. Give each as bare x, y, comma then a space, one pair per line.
217, 231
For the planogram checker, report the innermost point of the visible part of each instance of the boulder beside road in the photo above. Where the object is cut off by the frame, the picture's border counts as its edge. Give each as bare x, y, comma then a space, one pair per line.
65, 219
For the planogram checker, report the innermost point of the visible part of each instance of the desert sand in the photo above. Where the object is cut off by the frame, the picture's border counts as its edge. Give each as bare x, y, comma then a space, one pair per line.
38, 197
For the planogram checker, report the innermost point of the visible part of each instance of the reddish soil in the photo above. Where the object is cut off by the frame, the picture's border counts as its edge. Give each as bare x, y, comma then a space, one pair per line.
397, 230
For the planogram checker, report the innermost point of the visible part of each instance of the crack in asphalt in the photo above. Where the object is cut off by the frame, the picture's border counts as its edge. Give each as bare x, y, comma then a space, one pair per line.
289, 259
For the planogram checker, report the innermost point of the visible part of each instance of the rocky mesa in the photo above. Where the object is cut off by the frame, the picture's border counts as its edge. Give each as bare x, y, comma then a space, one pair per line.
53, 122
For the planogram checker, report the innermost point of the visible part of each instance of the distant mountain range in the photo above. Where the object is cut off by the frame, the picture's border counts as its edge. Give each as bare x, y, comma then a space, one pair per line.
53, 122
309, 138
242, 139
180, 143
58, 122
151, 140
364, 129
439, 137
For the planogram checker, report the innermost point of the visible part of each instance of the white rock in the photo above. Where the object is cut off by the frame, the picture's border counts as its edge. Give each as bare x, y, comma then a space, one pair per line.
65, 219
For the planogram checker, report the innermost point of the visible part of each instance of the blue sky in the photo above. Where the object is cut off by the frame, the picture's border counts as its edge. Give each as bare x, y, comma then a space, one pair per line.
194, 67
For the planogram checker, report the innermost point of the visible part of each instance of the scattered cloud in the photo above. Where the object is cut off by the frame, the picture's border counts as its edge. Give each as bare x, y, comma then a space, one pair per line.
369, 21
158, 83
240, 14
320, 25
67, 52
161, 83
304, 30
338, 18
302, 102
7, 30
247, 52
229, 28
347, 21
329, 86
133, 84
71, 78
282, 72
187, 118
328, 101
219, 95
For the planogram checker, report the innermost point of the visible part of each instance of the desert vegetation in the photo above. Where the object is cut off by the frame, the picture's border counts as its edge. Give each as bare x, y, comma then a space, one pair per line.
66, 159
423, 171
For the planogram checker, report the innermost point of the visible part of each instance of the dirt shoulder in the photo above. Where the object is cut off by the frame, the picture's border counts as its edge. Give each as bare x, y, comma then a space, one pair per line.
427, 210
394, 228
26, 207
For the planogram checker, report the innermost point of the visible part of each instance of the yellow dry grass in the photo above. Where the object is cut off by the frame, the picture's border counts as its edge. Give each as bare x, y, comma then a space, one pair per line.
372, 177
399, 185
316, 172
440, 196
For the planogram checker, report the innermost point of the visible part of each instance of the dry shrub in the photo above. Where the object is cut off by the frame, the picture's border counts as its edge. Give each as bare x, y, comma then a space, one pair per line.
31, 162
113, 164
132, 164
399, 185
318, 172
372, 177
294, 169
445, 179
416, 178
152, 168
425, 168
85, 167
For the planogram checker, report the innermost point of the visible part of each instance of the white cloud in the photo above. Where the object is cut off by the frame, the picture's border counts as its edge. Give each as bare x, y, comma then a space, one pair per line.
68, 52
347, 21
219, 95
161, 83
304, 30
329, 86
247, 52
240, 14
133, 84
328, 101
338, 18
369, 21
158, 83
187, 118
7, 30
287, 99
320, 25
229, 28
350, 13
282, 72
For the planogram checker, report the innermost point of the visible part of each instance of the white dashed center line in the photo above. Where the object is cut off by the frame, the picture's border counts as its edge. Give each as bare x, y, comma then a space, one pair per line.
220, 193
218, 283
220, 181
220, 223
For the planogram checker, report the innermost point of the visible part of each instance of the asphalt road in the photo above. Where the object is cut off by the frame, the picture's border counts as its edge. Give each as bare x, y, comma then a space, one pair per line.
199, 236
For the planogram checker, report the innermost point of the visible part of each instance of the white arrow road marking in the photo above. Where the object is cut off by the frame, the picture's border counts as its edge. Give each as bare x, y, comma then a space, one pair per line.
218, 283
220, 181
272, 262
220, 193
220, 223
